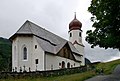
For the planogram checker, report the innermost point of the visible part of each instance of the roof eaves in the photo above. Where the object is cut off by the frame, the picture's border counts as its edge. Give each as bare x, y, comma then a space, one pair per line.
45, 40
15, 35
73, 49
77, 54
57, 50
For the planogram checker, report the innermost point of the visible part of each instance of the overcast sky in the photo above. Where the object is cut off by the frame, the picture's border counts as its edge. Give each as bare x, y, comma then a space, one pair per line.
53, 15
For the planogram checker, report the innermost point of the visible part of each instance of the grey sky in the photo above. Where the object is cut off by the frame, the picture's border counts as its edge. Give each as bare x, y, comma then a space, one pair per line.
53, 15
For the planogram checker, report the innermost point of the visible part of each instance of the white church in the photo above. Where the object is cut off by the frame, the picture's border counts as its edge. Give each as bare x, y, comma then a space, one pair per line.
35, 48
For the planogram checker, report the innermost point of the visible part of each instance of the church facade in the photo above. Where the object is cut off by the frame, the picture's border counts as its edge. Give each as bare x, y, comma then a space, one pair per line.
36, 49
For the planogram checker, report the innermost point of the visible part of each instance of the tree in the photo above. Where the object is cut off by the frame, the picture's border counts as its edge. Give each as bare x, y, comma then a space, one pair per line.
106, 21
5, 54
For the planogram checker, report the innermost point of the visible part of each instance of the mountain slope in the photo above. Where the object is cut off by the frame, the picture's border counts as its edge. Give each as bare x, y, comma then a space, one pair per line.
5, 54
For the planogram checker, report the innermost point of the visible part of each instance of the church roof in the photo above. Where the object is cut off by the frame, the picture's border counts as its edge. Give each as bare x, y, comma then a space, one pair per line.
48, 41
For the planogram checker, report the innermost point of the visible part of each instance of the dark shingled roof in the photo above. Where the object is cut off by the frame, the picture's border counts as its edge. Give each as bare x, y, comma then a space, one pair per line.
48, 41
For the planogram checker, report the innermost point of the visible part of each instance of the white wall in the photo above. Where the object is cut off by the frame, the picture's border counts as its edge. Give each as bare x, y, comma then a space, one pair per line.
52, 60
38, 53
32, 54
81, 50
45, 61
76, 37
14, 54
20, 42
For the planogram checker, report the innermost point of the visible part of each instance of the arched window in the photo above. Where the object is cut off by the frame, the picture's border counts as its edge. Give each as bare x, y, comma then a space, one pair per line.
68, 65
24, 53
63, 64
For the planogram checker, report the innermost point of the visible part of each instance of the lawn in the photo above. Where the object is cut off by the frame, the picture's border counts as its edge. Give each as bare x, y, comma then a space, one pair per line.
108, 67
72, 77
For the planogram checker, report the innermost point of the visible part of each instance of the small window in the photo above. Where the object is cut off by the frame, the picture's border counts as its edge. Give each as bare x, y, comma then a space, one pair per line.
51, 67
59, 64
74, 64
35, 46
36, 61
70, 34
24, 53
80, 34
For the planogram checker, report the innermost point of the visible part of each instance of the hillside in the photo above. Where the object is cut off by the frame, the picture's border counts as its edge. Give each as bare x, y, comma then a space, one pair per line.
5, 54
108, 67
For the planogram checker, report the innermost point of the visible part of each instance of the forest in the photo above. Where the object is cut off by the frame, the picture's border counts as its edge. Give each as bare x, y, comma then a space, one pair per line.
5, 54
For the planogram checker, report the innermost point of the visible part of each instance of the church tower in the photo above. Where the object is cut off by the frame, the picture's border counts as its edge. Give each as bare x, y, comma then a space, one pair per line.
75, 37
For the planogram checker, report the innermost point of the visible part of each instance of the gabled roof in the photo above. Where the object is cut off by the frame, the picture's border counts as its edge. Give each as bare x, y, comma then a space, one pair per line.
48, 41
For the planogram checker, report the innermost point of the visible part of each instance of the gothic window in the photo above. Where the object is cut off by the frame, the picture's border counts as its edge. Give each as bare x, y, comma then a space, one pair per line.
24, 53
70, 34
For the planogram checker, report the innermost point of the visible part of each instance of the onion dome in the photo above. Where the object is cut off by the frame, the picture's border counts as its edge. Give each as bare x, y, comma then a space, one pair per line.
75, 24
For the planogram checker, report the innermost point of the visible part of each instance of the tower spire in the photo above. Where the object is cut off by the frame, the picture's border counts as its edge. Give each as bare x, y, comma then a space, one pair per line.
75, 24
75, 16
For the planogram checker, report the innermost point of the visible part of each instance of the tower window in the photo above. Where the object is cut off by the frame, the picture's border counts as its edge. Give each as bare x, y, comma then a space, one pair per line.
80, 34
36, 61
70, 34
24, 53
35, 46
59, 64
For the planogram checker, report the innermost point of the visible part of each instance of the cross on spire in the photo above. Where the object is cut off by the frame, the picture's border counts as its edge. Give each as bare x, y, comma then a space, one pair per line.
75, 16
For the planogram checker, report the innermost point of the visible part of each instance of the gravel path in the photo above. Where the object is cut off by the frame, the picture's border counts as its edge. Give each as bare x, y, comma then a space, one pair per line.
115, 76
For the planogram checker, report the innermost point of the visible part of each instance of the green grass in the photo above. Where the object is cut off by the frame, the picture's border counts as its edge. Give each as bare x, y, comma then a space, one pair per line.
108, 67
72, 77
